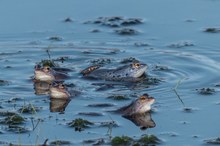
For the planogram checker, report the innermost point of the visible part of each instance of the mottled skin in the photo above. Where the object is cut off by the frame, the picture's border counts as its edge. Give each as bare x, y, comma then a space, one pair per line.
139, 106
59, 91
47, 74
124, 73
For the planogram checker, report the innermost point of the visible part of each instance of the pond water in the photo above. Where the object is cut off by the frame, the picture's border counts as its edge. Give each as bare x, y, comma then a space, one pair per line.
178, 40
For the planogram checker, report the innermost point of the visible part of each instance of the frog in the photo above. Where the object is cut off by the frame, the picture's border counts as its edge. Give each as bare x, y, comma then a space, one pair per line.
139, 106
48, 74
59, 91
128, 72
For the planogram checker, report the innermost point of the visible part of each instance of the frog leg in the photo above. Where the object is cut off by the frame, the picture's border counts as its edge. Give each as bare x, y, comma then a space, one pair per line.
90, 69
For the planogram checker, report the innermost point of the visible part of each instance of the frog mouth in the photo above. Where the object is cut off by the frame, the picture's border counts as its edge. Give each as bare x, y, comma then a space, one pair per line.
140, 72
43, 75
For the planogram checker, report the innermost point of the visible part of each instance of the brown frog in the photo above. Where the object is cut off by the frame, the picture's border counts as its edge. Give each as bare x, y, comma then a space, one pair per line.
47, 74
138, 106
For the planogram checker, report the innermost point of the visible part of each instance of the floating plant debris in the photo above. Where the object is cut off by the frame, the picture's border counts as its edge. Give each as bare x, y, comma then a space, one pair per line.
129, 60
132, 21
68, 19
101, 61
95, 30
118, 97
17, 129
7, 113
121, 140
126, 31
80, 124
206, 91
109, 124
141, 44
101, 105
60, 142
181, 44
99, 141
4, 82
160, 68
213, 141
30, 109
116, 21
90, 114
149, 139
49, 63
12, 120
212, 30
55, 38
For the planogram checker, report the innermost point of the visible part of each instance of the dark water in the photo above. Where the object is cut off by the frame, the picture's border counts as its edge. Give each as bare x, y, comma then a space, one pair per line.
179, 54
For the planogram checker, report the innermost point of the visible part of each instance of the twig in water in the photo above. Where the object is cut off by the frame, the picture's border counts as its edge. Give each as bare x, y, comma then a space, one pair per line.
175, 91
48, 53
35, 126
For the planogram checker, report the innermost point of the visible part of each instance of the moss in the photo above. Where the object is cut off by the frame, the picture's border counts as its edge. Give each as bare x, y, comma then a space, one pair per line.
28, 109
123, 140
80, 124
149, 139
12, 120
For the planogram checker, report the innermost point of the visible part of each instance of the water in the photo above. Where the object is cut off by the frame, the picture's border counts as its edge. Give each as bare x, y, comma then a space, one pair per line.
26, 27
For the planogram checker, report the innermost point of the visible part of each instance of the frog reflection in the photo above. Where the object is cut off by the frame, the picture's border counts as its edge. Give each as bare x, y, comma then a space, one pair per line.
58, 105
41, 88
142, 120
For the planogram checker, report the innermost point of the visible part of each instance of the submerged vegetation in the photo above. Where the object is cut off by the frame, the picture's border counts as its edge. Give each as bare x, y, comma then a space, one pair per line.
80, 124
144, 140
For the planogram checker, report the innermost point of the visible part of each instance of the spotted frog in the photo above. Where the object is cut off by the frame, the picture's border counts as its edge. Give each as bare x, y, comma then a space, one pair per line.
130, 72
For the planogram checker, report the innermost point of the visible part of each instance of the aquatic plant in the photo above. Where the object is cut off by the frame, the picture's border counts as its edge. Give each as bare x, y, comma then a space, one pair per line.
118, 97
206, 91
213, 141
60, 142
212, 30
129, 60
13, 119
30, 109
48, 62
123, 140
80, 124
3, 82
149, 139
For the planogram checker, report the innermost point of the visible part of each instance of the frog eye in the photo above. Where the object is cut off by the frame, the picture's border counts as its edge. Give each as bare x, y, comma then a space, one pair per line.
142, 98
136, 65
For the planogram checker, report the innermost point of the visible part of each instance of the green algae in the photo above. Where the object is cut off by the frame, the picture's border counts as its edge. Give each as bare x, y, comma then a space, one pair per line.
29, 109
149, 139
13, 120
80, 124
128, 141
48, 62
123, 140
